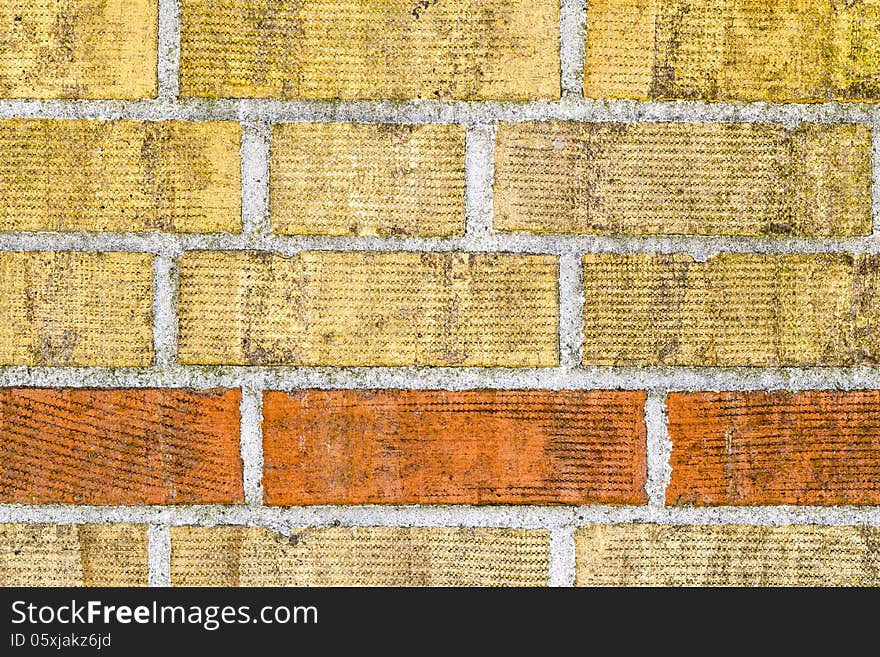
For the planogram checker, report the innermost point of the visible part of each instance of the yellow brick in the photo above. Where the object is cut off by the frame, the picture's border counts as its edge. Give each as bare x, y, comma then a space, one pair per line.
369, 179
120, 175
73, 555
735, 309
679, 178
460, 49
727, 555
367, 308
76, 309
770, 50
78, 48
359, 556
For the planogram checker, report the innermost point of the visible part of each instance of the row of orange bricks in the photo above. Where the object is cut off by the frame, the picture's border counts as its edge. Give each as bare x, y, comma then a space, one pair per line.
170, 446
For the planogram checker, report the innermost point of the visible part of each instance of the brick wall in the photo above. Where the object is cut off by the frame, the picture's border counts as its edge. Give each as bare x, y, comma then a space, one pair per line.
489, 292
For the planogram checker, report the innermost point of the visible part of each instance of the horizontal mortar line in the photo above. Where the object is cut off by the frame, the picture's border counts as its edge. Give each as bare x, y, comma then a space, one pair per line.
655, 379
444, 111
515, 516
700, 247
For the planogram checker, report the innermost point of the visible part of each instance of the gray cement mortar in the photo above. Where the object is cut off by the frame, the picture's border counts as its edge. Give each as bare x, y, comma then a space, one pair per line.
256, 117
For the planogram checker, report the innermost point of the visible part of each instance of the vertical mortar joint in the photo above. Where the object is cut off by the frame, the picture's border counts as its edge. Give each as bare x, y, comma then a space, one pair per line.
571, 308
875, 187
252, 444
164, 311
479, 165
659, 449
572, 35
159, 555
169, 49
562, 557
256, 137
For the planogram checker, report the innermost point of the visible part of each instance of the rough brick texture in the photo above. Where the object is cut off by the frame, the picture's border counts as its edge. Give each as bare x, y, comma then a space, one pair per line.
368, 308
78, 48
76, 309
367, 179
386, 263
358, 556
435, 447
122, 176
815, 447
698, 178
73, 555
727, 555
734, 309
504, 49
135, 446
714, 49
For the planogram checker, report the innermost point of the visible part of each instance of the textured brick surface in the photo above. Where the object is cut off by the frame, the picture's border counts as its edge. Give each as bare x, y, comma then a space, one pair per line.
358, 556
815, 447
73, 555
368, 308
391, 49
119, 446
367, 179
727, 555
436, 447
751, 50
120, 175
78, 48
679, 178
734, 309
76, 309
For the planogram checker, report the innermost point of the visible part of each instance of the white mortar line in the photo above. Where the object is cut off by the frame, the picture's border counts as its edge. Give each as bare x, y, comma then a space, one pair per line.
562, 557
439, 111
525, 517
875, 189
169, 48
572, 22
652, 379
701, 248
252, 445
571, 308
479, 166
158, 555
659, 450
256, 137
164, 311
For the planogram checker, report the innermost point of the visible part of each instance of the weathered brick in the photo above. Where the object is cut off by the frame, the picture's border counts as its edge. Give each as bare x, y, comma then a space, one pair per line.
714, 49
136, 446
392, 49
63, 308
78, 48
358, 556
69, 175
814, 447
734, 309
680, 178
367, 179
437, 447
73, 555
727, 555
368, 308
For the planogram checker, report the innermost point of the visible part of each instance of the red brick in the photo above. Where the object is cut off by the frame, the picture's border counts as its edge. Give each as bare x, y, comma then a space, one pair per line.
815, 447
437, 447
72, 446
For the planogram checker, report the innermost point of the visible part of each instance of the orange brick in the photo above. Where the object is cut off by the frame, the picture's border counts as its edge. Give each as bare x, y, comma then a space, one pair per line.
119, 446
437, 447
816, 447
